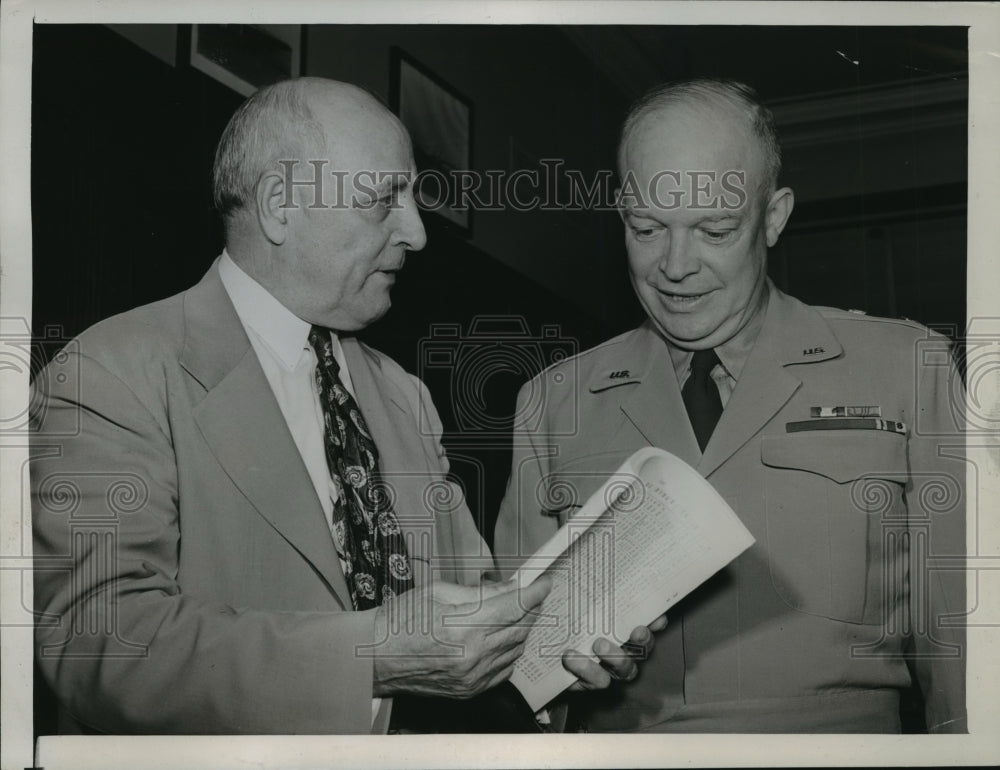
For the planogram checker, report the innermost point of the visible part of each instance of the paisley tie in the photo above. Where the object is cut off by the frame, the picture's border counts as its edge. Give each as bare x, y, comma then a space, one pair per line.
371, 545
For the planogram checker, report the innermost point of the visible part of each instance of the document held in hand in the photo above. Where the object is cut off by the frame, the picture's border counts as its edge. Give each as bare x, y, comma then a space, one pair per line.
649, 536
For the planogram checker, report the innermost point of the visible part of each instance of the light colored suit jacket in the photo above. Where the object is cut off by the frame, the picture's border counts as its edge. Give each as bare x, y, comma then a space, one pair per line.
187, 581
857, 567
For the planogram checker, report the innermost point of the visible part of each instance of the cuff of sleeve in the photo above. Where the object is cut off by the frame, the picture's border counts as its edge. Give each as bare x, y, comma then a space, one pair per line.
351, 690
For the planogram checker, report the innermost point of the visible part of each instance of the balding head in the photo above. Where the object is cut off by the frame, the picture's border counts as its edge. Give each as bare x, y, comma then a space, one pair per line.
315, 181
713, 101
283, 121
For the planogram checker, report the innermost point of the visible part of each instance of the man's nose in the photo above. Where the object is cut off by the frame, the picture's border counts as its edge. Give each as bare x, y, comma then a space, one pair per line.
678, 259
411, 233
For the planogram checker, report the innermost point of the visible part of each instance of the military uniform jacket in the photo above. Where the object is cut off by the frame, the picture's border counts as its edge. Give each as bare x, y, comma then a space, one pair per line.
855, 582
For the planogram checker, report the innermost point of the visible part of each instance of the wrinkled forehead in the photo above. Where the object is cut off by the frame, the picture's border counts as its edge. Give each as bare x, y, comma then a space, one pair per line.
691, 157
689, 138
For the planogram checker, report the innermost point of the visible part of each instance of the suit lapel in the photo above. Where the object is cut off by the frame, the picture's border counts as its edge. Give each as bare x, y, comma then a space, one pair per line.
245, 429
403, 460
792, 333
389, 418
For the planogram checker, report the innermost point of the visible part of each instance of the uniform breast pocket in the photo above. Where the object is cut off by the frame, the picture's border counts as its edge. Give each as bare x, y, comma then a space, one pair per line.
834, 506
564, 491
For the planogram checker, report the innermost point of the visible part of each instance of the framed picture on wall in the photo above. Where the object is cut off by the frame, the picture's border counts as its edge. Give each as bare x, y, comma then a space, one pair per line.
246, 57
439, 120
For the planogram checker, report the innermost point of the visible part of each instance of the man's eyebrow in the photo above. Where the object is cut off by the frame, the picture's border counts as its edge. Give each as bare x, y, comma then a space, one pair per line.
719, 218
393, 182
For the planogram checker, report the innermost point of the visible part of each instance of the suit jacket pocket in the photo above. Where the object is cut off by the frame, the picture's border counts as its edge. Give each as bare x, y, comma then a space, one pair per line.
834, 508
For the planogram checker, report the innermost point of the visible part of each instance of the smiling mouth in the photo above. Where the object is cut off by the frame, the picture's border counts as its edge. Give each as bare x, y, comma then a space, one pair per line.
682, 298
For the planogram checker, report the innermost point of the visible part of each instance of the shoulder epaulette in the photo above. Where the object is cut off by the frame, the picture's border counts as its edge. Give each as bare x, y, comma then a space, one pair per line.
860, 315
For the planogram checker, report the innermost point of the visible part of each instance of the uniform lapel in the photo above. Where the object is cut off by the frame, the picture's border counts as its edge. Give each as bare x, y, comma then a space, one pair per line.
245, 429
792, 333
653, 405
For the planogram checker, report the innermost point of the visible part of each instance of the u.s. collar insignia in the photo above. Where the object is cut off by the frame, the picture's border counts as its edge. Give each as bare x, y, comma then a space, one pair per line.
612, 378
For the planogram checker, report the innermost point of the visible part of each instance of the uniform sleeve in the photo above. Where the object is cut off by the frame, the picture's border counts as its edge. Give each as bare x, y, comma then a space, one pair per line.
937, 509
522, 525
123, 648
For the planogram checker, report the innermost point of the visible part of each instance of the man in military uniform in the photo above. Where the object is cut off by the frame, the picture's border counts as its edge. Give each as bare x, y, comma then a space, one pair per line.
828, 432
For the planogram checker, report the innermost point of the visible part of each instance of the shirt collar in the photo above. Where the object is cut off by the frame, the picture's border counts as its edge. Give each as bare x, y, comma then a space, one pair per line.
284, 333
733, 353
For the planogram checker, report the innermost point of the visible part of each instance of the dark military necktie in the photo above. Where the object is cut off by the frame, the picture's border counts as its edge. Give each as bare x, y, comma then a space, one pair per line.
701, 396
372, 549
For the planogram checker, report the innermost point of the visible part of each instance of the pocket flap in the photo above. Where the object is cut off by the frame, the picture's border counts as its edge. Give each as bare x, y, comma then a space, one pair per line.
841, 456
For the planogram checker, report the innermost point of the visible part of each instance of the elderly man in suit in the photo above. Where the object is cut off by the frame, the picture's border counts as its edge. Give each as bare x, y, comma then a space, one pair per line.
830, 434
231, 518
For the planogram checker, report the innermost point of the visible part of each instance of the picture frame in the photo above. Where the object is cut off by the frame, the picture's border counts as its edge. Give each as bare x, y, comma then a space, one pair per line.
440, 121
246, 57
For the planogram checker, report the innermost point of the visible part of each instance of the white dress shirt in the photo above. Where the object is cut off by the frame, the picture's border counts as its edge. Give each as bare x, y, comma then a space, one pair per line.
281, 341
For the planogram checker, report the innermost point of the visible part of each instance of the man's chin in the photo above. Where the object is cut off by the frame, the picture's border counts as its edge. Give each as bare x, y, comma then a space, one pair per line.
693, 338
355, 322
376, 312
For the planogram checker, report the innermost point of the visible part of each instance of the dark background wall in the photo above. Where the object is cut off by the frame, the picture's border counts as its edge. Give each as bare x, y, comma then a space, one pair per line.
873, 122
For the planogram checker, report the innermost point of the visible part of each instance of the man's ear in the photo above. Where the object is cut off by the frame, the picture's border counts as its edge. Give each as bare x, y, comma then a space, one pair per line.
272, 207
779, 208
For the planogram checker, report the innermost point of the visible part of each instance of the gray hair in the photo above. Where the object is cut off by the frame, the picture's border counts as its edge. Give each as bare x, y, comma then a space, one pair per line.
711, 91
274, 124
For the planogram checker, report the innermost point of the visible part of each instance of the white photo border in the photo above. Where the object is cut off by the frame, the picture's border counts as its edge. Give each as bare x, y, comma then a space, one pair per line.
16, 749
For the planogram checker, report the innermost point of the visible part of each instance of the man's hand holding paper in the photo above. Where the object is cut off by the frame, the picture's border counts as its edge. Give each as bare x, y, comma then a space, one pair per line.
652, 533
614, 662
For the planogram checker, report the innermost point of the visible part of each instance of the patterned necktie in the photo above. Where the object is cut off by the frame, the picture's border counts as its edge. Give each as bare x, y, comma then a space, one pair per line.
373, 552
701, 396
